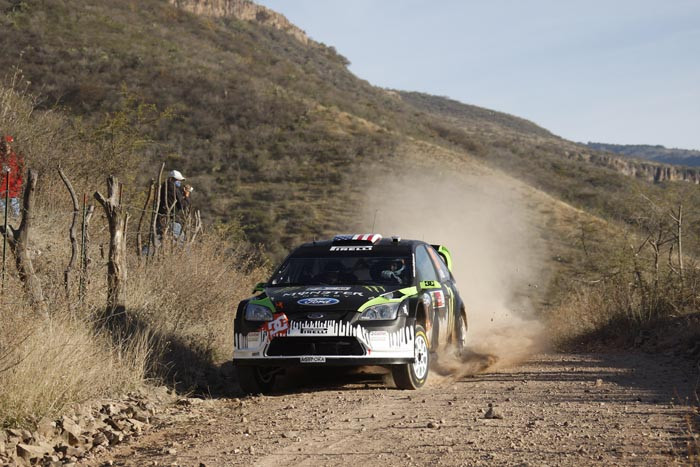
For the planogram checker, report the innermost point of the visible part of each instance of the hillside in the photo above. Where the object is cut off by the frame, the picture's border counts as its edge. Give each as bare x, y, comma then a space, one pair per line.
657, 153
271, 128
477, 116
256, 112
600, 182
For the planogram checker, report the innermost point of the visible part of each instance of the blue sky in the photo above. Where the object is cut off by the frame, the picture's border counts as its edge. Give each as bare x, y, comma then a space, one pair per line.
615, 71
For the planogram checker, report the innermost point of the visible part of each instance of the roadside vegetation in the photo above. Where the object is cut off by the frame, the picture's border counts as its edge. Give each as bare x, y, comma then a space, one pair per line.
182, 301
639, 284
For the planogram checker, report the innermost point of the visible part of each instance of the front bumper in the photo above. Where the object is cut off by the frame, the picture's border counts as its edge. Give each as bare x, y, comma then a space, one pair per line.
327, 361
327, 343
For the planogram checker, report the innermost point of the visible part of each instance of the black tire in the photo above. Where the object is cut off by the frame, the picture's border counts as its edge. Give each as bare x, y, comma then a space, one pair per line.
461, 328
414, 375
256, 379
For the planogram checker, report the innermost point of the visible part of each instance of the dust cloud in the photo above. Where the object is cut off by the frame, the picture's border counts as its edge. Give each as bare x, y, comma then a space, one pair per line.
484, 221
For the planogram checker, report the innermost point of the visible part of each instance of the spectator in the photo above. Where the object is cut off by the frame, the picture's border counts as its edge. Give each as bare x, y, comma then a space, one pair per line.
172, 204
12, 170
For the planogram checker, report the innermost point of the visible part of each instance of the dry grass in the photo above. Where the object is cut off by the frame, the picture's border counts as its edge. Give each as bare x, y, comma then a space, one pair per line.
47, 364
183, 303
187, 300
583, 312
180, 304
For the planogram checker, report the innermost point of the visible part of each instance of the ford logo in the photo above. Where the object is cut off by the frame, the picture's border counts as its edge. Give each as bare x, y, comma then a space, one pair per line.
315, 315
318, 301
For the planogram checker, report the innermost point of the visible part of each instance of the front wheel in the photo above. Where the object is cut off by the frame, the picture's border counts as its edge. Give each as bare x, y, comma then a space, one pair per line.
256, 379
413, 375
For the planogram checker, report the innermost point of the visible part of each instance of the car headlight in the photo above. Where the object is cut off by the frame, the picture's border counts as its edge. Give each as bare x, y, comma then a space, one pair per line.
385, 311
255, 312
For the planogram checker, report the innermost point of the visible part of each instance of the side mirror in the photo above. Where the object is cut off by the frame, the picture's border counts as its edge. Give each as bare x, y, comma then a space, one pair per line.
259, 287
430, 285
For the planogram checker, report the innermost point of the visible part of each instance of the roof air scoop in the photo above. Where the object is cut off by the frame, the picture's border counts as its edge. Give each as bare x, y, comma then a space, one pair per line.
357, 239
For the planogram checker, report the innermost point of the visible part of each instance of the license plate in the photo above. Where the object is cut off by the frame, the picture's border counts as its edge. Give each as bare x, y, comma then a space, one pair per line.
312, 359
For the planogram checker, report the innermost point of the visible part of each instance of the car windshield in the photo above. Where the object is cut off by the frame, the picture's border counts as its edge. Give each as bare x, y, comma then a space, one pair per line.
345, 271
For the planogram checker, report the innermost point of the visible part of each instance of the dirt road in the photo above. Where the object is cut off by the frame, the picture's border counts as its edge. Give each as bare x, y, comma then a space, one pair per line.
556, 409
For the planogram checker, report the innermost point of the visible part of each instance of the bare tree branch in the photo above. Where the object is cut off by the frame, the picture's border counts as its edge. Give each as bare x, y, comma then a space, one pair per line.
71, 231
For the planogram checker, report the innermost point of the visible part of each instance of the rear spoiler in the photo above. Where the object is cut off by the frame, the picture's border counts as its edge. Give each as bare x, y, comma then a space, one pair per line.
445, 255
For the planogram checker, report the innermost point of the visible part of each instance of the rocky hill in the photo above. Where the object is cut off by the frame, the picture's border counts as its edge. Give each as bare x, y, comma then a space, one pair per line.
626, 160
244, 10
655, 153
650, 171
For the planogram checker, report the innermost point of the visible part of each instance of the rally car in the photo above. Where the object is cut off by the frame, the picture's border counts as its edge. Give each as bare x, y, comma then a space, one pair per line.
353, 300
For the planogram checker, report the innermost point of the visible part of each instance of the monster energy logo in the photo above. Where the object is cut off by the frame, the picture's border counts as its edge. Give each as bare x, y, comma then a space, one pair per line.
375, 288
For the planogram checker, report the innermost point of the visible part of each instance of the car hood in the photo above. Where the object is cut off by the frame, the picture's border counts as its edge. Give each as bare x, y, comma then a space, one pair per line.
324, 298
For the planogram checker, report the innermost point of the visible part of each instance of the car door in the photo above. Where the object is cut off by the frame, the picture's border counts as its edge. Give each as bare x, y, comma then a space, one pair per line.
448, 286
435, 298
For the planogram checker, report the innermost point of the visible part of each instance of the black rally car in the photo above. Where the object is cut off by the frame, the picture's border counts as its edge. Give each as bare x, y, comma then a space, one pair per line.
354, 300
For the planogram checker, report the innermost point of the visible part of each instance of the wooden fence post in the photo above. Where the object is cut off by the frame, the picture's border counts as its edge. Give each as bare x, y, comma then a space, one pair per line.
71, 231
88, 210
19, 244
153, 237
139, 238
6, 171
116, 265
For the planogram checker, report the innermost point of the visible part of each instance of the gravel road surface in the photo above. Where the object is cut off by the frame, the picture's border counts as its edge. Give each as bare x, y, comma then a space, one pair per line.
555, 409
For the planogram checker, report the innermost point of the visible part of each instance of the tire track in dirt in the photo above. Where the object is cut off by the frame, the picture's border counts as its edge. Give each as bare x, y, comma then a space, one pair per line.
347, 430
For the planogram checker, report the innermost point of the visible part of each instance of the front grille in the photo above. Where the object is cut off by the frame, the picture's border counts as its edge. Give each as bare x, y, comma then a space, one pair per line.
302, 314
298, 346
